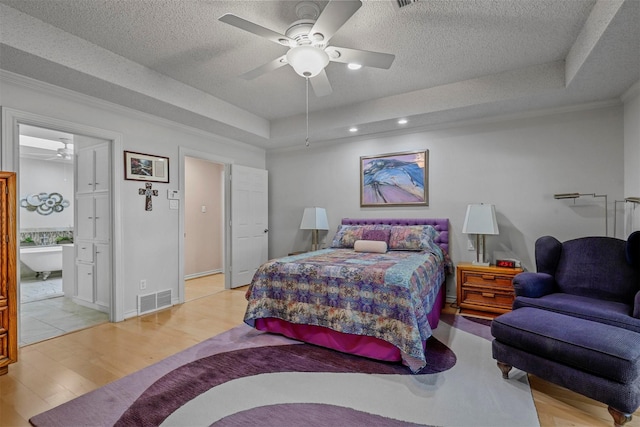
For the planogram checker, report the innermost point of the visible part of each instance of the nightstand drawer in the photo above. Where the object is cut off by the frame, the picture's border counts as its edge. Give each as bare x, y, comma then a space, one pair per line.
479, 298
481, 278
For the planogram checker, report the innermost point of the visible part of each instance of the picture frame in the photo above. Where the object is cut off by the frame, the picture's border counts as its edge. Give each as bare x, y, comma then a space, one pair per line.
145, 167
395, 179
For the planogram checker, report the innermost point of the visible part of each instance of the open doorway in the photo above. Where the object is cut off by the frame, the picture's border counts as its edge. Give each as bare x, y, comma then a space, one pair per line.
204, 237
46, 235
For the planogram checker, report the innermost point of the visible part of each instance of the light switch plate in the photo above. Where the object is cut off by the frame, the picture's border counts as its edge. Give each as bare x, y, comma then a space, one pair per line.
173, 194
173, 204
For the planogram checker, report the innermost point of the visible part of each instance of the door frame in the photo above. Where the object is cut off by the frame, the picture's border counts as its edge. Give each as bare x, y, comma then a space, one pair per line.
227, 162
10, 161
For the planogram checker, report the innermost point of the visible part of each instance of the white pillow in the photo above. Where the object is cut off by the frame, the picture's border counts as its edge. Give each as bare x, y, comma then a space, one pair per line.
375, 246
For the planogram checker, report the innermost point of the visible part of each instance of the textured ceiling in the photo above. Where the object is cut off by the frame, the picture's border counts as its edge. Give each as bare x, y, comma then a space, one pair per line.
454, 60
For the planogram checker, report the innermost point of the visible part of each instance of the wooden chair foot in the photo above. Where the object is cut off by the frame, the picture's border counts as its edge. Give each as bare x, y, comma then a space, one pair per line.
505, 369
619, 418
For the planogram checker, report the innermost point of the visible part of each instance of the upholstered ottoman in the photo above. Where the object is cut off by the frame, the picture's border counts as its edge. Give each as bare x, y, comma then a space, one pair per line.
596, 360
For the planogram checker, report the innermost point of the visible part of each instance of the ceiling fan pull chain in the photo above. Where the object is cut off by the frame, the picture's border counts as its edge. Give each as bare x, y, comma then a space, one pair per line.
307, 139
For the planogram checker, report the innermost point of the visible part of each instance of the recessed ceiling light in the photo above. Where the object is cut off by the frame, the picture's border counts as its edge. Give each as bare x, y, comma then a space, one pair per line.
353, 129
403, 121
354, 66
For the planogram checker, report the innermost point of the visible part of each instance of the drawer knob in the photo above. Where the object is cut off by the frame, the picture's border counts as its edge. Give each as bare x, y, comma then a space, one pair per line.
488, 277
488, 295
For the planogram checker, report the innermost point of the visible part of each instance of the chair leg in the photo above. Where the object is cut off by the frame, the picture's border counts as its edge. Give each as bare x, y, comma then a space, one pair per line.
505, 369
619, 418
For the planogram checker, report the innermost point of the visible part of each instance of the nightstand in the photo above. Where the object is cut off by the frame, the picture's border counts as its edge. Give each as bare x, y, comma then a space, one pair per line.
485, 290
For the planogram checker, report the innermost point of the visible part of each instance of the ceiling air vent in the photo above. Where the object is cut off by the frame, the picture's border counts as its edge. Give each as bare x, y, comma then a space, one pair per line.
403, 3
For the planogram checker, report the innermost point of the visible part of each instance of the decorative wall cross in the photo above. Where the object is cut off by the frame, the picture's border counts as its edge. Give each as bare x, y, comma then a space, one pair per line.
148, 192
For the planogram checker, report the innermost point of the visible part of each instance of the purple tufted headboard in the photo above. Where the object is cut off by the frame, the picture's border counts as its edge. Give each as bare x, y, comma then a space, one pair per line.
440, 224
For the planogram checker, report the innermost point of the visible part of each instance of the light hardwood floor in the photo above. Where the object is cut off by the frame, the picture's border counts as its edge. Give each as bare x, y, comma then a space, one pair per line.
203, 286
55, 371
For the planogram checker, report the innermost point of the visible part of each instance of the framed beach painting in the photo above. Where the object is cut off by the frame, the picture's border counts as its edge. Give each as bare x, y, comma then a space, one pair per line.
145, 167
397, 179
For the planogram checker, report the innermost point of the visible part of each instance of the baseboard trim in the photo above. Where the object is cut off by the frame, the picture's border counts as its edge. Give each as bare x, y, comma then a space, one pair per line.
202, 274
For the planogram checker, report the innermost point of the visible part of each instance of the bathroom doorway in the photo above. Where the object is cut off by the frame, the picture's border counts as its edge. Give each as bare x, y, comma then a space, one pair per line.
47, 172
204, 239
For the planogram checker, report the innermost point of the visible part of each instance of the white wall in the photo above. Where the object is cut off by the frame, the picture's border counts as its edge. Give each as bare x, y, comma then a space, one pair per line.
515, 164
632, 154
150, 238
40, 176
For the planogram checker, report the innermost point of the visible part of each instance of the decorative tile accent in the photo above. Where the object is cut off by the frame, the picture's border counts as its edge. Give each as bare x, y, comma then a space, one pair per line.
45, 237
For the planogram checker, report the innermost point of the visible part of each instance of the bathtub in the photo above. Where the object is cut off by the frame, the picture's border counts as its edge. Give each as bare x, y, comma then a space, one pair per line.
42, 259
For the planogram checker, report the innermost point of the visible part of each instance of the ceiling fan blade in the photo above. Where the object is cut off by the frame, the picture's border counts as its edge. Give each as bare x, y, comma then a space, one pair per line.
334, 16
256, 29
320, 84
269, 66
362, 57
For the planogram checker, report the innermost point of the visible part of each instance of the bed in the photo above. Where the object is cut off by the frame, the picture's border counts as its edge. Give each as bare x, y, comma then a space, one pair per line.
358, 297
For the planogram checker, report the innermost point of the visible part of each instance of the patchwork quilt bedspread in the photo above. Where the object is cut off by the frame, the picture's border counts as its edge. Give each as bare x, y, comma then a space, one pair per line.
387, 296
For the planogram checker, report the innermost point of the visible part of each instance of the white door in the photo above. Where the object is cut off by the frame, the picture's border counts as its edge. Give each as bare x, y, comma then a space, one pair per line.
249, 222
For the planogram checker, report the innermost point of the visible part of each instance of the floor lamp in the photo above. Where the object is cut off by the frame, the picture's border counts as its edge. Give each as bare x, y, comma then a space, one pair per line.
634, 200
575, 196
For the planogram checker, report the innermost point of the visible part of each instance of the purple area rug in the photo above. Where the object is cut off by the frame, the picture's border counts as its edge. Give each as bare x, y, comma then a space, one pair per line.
195, 372
190, 380
275, 381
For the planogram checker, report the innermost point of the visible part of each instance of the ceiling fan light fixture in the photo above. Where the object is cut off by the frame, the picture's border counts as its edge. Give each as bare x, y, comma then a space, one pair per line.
307, 61
354, 66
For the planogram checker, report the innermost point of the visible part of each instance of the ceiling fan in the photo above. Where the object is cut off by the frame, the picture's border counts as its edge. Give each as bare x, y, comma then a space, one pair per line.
65, 153
308, 42
46, 151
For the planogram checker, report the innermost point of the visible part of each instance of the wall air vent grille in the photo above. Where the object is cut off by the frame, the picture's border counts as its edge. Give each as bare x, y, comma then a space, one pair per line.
164, 298
155, 301
403, 3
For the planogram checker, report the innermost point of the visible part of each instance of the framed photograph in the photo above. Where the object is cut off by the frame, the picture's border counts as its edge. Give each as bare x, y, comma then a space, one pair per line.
397, 179
145, 167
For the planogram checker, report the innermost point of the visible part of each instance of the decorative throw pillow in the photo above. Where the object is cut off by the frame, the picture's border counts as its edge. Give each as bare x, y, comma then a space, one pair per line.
375, 246
412, 237
346, 236
378, 233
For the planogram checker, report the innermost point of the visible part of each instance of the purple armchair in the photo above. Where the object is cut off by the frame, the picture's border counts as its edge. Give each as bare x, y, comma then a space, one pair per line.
576, 322
594, 278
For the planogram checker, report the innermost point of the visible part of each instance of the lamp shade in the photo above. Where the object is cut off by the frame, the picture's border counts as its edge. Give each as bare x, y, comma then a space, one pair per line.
307, 61
314, 219
480, 219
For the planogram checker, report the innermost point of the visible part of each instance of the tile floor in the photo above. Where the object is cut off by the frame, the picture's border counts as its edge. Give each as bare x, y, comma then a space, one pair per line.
45, 313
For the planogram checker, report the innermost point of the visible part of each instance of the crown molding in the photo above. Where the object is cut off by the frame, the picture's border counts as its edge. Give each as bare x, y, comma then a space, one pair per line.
38, 85
616, 102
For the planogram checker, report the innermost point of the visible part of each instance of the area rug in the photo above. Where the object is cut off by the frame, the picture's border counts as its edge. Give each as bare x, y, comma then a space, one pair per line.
245, 377
32, 290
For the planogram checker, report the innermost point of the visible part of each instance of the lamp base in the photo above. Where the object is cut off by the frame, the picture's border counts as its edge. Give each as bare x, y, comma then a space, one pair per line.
485, 264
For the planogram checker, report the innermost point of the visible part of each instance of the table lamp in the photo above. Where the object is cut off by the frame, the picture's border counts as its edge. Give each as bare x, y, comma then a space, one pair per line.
480, 220
314, 219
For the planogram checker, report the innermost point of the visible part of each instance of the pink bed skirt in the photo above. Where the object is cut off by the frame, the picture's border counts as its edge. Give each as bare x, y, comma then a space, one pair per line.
370, 347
